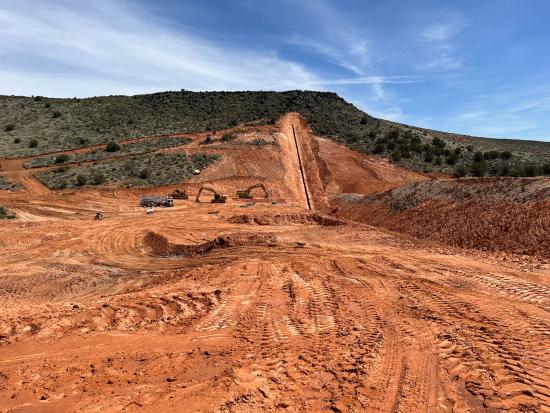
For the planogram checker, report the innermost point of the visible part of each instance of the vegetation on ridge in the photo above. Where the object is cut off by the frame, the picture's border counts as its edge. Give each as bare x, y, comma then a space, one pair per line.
40, 125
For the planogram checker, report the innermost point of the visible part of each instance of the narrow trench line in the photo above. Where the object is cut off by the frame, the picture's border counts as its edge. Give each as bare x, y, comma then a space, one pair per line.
301, 168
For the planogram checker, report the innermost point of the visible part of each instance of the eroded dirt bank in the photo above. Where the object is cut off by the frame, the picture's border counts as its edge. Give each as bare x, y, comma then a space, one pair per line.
494, 214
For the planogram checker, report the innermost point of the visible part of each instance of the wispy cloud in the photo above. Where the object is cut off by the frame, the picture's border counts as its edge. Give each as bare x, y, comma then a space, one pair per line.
439, 41
116, 49
372, 80
337, 38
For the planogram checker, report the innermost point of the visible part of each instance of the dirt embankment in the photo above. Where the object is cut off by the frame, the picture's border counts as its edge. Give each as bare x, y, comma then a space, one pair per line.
160, 246
330, 168
285, 219
495, 214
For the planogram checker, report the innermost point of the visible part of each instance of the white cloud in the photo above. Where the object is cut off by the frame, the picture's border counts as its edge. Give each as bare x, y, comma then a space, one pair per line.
372, 80
337, 38
107, 47
439, 43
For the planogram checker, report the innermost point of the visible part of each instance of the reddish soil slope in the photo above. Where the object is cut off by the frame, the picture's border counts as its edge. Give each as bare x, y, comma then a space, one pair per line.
504, 214
270, 307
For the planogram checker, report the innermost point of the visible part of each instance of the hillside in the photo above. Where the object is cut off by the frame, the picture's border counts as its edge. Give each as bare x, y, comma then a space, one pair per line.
37, 125
492, 214
268, 303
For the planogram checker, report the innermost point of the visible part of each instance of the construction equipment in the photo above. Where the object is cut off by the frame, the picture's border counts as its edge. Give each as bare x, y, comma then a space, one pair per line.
217, 199
177, 194
98, 216
245, 193
156, 201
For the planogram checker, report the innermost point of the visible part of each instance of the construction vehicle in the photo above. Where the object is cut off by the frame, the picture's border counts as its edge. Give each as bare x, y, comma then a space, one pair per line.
217, 199
156, 201
245, 193
177, 194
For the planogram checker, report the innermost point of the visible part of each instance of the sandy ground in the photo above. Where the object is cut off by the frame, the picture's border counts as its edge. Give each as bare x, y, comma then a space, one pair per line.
294, 313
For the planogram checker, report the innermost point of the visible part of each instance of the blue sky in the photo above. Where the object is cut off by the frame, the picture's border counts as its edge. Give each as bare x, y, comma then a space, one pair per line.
476, 67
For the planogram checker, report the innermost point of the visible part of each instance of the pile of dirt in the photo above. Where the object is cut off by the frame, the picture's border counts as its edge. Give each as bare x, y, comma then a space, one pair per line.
160, 246
285, 219
495, 214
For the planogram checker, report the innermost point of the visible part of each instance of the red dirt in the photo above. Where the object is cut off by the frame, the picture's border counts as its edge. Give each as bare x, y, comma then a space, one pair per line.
215, 308
285, 219
493, 214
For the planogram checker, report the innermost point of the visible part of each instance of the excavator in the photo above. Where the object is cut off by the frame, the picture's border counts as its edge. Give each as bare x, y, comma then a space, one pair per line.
217, 199
245, 193
179, 194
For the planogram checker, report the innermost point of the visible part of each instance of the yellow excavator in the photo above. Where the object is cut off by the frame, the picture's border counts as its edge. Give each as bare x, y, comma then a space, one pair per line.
179, 194
245, 193
217, 199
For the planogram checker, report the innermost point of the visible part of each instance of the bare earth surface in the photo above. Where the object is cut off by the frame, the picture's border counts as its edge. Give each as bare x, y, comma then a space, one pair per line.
271, 307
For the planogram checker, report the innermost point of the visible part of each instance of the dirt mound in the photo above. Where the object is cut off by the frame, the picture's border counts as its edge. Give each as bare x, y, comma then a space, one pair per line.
498, 214
286, 219
160, 246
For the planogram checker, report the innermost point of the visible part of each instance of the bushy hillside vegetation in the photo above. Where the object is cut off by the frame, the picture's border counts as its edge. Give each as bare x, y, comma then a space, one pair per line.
145, 170
38, 125
111, 150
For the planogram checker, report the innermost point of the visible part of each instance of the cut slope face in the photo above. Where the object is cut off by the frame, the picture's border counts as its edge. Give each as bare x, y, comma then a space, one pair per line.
349, 171
503, 214
330, 168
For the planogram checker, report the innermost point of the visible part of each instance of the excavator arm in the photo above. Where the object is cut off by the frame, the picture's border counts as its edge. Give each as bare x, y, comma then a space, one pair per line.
246, 193
217, 197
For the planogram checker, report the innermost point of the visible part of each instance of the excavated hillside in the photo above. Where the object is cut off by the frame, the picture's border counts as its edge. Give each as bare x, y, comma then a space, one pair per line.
494, 214
267, 304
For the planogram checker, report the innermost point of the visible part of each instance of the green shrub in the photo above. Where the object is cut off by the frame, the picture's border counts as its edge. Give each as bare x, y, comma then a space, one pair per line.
144, 173
9, 127
364, 120
459, 171
228, 137
33, 143
546, 168
451, 159
61, 158
396, 156
61, 169
17, 140
479, 168
56, 114
5, 214
207, 141
81, 180
98, 178
506, 155
378, 149
112, 147
529, 170
438, 142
